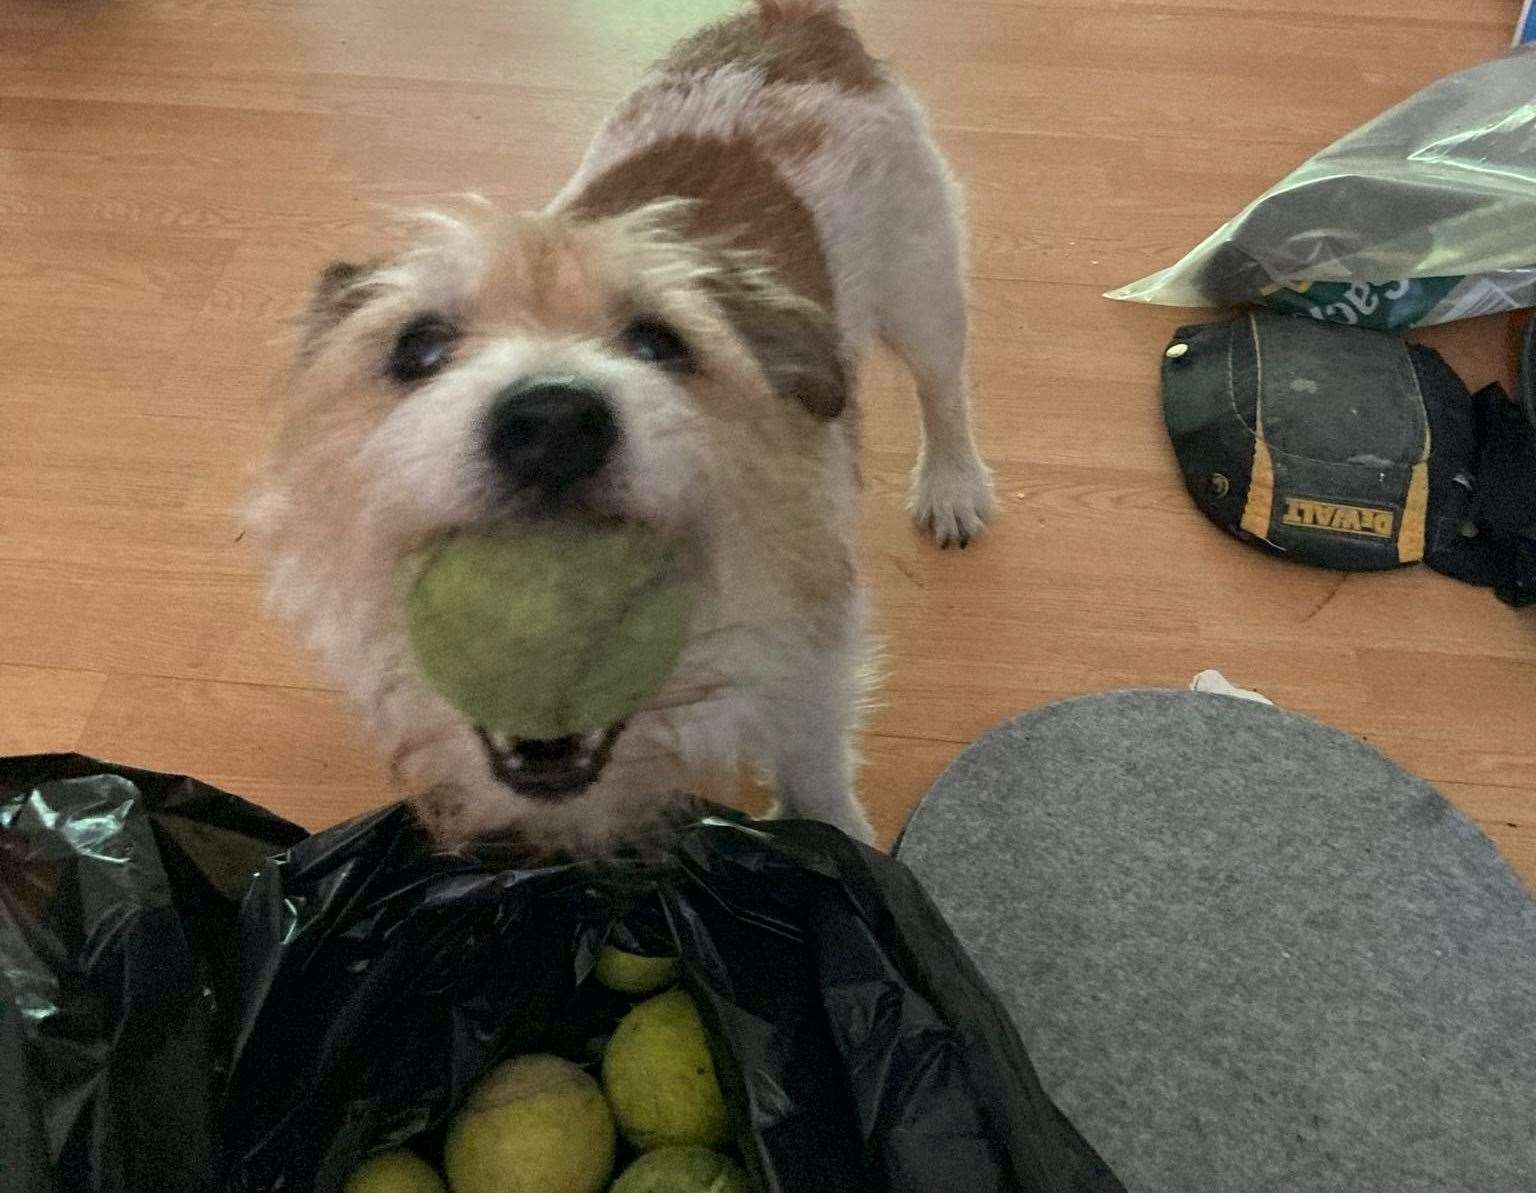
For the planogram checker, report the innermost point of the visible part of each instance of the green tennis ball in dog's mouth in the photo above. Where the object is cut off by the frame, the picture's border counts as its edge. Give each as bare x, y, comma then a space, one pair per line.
548, 632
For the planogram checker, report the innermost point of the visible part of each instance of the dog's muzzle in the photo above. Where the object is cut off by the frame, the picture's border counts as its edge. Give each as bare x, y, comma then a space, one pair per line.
549, 770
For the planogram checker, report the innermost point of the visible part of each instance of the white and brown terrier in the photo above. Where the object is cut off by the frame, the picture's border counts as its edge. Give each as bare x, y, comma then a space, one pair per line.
673, 341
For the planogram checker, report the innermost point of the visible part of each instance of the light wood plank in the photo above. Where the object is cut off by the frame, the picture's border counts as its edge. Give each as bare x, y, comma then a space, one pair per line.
299, 748
44, 710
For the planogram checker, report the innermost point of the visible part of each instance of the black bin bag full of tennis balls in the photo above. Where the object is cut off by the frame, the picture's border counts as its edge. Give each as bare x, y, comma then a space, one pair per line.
197, 996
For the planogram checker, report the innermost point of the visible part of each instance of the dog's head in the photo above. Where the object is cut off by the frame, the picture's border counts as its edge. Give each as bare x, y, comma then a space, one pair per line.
538, 367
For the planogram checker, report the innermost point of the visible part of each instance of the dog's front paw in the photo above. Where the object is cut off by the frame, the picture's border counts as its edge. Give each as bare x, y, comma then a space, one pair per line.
952, 500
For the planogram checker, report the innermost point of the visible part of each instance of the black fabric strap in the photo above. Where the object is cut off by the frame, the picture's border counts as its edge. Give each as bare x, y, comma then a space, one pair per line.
1501, 554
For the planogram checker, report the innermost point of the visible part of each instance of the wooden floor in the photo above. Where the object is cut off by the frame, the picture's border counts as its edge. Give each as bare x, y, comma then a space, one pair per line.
173, 173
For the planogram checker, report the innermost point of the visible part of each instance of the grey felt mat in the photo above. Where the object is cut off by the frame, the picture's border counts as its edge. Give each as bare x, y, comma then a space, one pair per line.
1245, 951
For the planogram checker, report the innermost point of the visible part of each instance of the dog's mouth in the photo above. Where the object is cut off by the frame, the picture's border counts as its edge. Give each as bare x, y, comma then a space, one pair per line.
549, 770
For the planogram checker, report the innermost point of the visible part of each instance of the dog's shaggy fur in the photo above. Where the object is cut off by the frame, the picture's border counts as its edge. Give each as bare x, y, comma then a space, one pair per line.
768, 202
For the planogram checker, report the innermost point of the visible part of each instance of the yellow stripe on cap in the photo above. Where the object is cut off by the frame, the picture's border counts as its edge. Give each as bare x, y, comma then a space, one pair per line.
1410, 539
1260, 508
1261, 485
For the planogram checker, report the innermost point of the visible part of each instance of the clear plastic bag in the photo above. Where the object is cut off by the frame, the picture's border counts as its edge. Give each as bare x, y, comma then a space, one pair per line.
1424, 215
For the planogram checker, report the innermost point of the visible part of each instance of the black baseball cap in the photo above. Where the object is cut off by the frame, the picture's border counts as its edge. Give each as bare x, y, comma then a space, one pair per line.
1333, 445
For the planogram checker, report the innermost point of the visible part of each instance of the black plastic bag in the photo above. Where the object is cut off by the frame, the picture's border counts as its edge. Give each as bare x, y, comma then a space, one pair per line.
196, 996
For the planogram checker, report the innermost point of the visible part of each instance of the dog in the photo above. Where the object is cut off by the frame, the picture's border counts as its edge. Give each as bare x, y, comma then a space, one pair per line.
673, 341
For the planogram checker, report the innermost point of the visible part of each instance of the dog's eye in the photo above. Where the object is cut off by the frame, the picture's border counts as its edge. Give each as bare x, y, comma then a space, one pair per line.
422, 349
654, 342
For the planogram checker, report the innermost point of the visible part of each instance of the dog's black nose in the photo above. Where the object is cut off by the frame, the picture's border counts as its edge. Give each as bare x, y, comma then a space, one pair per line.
549, 433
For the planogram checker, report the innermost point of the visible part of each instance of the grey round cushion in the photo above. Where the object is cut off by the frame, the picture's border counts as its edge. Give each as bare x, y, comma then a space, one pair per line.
1244, 951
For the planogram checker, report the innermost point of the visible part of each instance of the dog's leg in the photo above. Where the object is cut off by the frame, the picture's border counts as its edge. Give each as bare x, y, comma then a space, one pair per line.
814, 771
923, 319
808, 727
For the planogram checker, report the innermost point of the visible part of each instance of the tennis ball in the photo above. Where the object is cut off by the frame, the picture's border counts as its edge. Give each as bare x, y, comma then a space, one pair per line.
537, 1124
682, 1170
398, 1171
660, 1079
632, 973
549, 631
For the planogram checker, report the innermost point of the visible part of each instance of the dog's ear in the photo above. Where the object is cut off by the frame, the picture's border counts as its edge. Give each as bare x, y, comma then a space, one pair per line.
339, 292
795, 340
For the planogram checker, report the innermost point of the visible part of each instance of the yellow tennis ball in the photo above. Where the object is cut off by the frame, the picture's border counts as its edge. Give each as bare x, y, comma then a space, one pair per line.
660, 1079
632, 973
397, 1171
682, 1170
549, 631
536, 1124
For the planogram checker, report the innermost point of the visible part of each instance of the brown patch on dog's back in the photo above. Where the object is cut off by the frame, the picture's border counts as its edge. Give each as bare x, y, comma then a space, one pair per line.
787, 48
740, 200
